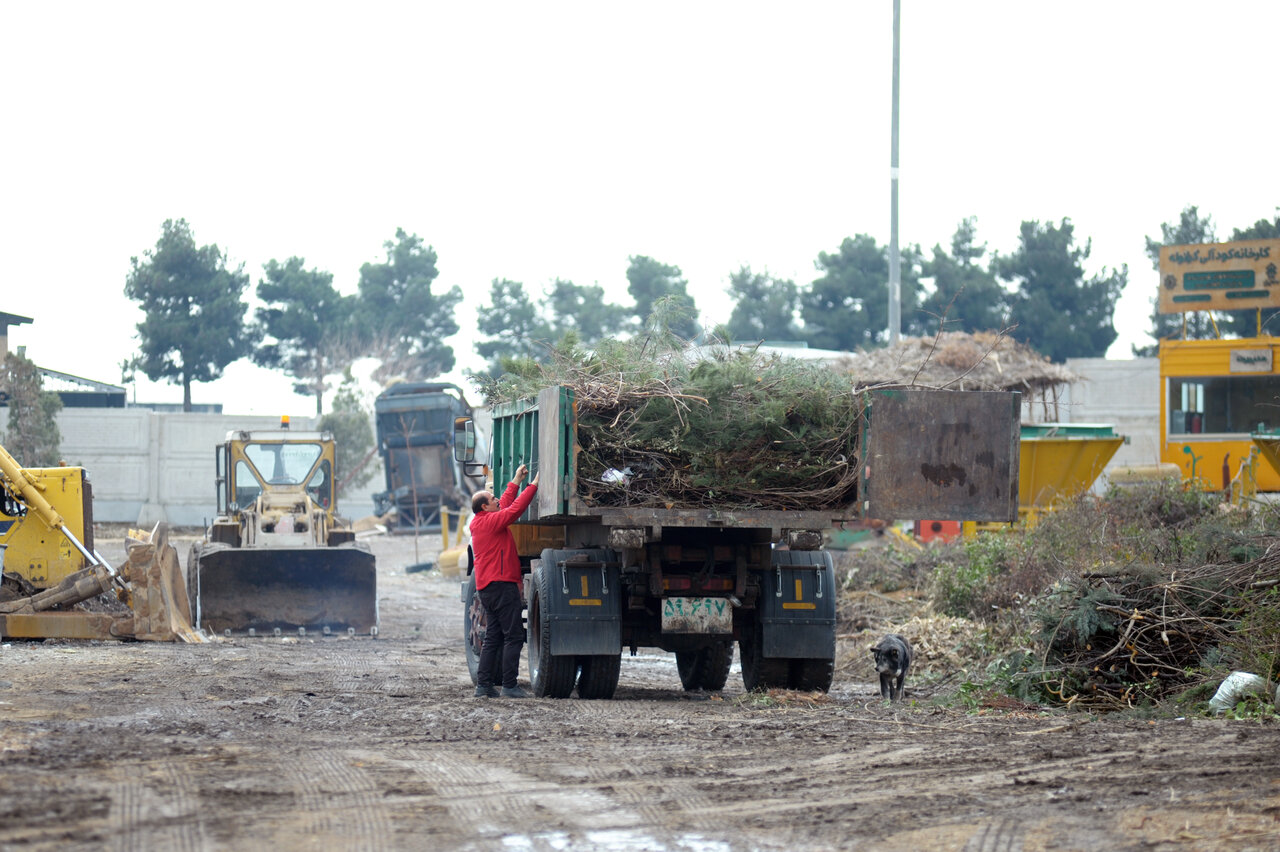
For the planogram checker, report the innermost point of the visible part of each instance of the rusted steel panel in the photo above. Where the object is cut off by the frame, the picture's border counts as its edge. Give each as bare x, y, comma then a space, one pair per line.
942, 455
59, 625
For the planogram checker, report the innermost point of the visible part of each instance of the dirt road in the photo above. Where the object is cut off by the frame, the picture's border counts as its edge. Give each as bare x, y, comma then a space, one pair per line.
338, 743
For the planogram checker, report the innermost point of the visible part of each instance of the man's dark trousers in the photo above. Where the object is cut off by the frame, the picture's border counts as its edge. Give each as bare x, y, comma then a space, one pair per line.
502, 606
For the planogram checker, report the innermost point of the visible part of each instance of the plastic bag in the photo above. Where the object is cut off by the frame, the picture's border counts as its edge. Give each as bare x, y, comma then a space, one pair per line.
1235, 687
617, 477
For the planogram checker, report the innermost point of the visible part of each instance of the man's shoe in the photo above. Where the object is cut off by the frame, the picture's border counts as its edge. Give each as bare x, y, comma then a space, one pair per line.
514, 692
486, 692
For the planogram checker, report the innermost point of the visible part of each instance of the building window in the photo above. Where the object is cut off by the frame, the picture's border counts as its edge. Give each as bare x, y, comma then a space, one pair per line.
1224, 405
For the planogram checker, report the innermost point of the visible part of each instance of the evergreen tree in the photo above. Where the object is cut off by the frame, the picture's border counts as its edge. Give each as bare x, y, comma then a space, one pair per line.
582, 309
306, 324
848, 307
648, 282
401, 319
351, 424
516, 328
194, 315
512, 324
765, 307
33, 438
1055, 309
965, 292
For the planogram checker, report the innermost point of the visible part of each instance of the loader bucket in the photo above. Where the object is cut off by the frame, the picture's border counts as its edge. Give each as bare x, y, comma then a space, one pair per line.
264, 589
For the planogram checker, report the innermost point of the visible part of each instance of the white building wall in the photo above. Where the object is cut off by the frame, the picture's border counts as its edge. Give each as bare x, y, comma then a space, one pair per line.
148, 466
1123, 393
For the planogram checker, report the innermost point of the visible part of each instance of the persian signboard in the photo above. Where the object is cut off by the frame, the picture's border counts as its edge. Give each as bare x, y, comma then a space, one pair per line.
1220, 276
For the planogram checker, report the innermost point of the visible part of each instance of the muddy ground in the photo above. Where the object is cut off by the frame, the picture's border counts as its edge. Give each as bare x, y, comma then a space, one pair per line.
339, 743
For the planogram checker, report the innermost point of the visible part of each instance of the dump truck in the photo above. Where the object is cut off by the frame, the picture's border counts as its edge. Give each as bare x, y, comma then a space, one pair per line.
695, 580
414, 426
49, 565
278, 557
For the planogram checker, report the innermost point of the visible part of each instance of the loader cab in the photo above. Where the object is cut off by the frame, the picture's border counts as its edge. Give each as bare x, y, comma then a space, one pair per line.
249, 463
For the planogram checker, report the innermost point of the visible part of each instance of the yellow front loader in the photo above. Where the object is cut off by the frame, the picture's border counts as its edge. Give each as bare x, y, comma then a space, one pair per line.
278, 557
49, 565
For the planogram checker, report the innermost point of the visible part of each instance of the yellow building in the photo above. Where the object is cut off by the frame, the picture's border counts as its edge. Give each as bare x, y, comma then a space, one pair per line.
1214, 395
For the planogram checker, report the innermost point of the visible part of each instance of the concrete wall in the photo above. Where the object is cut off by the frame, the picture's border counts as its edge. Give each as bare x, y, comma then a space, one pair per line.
1125, 394
148, 466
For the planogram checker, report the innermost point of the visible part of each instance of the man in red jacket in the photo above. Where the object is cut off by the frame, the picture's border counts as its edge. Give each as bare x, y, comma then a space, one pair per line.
497, 572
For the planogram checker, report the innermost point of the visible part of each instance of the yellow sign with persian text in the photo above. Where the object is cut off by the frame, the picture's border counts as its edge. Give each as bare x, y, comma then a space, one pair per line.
1220, 276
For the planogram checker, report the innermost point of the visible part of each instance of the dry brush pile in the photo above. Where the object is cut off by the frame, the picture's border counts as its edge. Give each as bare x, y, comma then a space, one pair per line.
1146, 596
1114, 641
1149, 594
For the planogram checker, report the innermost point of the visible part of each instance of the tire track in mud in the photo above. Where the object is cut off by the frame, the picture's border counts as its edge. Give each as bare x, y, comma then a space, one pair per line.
1001, 835
146, 816
497, 802
667, 798
337, 804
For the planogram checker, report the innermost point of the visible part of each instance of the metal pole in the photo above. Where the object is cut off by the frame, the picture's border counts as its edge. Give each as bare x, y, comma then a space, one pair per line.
895, 264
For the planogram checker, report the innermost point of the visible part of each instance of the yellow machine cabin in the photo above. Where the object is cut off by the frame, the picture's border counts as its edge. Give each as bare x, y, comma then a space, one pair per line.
288, 478
37, 552
1216, 395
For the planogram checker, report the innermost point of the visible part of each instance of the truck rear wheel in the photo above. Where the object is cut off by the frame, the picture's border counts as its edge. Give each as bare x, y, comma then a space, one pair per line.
599, 676
811, 675
706, 668
759, 671
474, 625
550, 676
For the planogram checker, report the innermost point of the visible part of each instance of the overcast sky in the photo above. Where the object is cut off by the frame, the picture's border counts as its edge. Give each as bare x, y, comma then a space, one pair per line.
539, 140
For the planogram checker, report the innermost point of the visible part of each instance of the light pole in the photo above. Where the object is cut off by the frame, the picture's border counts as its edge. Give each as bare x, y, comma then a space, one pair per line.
895, 263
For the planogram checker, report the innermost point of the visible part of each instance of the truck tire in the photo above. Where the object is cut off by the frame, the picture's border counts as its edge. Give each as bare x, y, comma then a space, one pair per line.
812, 675
706, 668
759, 671
474, 625
550, 676
599, 676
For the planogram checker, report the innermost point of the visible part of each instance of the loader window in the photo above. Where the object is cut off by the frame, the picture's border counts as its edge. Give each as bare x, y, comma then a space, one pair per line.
283, 464
247, 488
320, 486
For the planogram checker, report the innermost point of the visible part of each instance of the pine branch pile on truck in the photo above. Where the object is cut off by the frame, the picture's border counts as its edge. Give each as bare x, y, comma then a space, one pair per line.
704, 427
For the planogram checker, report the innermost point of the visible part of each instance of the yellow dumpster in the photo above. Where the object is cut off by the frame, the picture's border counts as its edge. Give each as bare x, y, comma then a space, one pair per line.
1061, 460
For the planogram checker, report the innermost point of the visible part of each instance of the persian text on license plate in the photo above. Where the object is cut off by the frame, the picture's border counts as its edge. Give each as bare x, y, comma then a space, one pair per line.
697, 615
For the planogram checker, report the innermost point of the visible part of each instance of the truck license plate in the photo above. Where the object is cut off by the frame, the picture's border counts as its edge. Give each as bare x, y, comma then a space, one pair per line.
697, 615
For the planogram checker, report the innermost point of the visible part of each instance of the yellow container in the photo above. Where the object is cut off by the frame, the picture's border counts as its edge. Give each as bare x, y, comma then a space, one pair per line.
1061, 460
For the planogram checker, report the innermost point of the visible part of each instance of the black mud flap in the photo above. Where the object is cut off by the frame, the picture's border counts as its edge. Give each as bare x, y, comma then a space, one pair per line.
942, 455
584, 602
260, 589
798, 606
